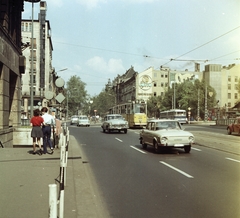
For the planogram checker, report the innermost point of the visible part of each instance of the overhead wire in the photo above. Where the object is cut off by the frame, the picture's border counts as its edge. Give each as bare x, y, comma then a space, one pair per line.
173, 59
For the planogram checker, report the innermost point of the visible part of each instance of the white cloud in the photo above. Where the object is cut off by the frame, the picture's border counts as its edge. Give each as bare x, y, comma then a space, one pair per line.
112, 66
91, 3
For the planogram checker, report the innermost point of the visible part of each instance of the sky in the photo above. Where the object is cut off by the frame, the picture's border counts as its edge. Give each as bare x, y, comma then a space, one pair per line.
97, 40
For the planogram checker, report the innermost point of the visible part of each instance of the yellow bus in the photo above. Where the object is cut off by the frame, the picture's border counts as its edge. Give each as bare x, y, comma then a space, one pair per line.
133, 112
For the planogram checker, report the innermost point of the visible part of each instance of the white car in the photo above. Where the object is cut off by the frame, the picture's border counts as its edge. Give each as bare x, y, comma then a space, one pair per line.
166, 133
74, 119
114, 122
83, 121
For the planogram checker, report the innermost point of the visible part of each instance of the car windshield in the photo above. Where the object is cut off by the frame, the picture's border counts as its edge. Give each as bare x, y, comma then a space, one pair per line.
167, 125
119, 117
83, 118
74, 117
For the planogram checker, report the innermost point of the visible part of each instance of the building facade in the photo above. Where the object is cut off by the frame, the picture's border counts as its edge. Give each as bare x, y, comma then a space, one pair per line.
12, 65
38, 53
224, 80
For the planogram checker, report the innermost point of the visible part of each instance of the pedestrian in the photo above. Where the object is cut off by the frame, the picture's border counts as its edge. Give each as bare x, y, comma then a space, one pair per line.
46, 129
36, 122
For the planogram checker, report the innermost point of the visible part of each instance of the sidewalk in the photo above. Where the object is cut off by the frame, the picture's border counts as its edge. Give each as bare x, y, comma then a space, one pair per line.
24, 180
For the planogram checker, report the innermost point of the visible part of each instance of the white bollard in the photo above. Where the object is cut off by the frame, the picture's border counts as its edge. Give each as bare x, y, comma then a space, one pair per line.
52, 201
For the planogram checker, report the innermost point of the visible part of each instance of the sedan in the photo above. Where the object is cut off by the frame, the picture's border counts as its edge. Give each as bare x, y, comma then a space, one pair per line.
166, 133
83, 121
114, 122
234, 127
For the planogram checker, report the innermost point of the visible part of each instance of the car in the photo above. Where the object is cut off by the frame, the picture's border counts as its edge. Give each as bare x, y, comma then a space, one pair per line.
166, 133
74, 119
234, 127
114, 122
83, 121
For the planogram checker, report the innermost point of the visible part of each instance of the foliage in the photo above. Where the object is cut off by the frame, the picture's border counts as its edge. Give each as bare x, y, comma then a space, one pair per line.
77, 95
190, 95
102, 102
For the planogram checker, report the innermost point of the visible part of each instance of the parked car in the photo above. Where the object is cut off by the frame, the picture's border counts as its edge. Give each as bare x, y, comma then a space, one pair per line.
114, 122
234, 127
166, 133
74, 119
83, 121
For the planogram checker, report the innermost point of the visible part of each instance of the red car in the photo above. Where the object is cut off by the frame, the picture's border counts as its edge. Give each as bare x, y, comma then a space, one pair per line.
234, 127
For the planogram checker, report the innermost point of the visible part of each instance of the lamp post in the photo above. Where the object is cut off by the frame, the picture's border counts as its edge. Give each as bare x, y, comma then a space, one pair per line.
31, 78
189, 114
67, 105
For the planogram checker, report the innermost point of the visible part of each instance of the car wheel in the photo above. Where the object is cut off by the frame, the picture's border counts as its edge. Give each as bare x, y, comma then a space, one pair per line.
187, 149
103, 130
144, 146
229, 131
156, 147
125, 131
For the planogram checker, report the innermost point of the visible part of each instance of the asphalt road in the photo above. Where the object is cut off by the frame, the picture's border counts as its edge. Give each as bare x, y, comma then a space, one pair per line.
133, 182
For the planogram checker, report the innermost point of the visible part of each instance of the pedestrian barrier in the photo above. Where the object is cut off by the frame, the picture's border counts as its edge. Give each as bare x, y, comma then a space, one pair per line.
53, 201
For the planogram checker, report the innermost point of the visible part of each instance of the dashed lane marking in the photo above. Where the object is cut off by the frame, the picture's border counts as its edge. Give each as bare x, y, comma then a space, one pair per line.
196, 149
119, 139
232, 159
138, 149
174, 168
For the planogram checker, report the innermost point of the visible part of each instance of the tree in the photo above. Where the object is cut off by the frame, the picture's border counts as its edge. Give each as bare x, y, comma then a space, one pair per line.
102, 102
190, 95
77, 95
153, 106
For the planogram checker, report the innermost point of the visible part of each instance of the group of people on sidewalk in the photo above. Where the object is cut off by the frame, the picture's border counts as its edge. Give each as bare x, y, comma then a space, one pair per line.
42, 123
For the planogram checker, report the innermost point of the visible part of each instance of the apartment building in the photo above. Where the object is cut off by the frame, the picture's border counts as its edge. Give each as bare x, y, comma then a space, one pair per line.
38, 53
11, 67
224, 80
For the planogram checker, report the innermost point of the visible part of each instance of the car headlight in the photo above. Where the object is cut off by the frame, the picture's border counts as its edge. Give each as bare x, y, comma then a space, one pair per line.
191, 139
164, 140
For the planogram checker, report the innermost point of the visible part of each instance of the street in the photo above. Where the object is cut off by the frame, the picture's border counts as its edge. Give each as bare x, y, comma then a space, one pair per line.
133, 182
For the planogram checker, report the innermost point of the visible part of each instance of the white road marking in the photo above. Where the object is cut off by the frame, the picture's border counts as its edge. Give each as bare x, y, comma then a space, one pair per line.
119, 139
174, 168
196, 149
233, 159
137, 149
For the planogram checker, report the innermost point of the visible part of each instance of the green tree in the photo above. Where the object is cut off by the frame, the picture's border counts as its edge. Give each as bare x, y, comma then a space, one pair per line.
190, 95
77, 95
102, 102
153, 106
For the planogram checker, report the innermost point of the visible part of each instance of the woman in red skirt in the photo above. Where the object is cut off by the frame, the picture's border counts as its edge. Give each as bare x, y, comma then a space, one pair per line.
36, 122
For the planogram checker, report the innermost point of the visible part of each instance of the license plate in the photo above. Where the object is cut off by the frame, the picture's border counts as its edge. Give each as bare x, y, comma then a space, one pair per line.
178, 145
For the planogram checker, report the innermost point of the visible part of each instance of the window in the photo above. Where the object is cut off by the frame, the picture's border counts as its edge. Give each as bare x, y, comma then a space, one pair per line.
166, 76
229, 86
155, 94
166, 84
229, 95
22, 27
229, 78
155, 84
236, 79
229, 104
162, 75
236, 95
26, 26
162, 84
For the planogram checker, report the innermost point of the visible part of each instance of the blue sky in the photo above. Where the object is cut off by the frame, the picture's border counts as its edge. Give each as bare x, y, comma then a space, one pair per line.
99, 39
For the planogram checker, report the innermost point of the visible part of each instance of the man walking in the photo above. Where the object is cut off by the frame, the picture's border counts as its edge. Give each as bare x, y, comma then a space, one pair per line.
48, 122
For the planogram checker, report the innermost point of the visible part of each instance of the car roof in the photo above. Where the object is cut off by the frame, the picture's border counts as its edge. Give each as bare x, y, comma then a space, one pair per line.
160, 120
114, 115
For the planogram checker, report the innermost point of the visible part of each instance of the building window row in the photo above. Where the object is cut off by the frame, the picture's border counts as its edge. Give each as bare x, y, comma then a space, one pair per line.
235, 79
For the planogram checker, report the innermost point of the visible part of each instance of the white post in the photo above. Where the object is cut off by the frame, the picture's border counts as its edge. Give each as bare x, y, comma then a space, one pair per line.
52, 201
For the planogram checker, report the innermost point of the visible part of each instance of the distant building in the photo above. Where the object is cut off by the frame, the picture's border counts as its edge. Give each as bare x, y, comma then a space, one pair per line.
43, 72
224, 80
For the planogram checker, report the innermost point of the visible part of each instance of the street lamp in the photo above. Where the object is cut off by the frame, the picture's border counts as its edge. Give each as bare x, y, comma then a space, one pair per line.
89, 107
31, 79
